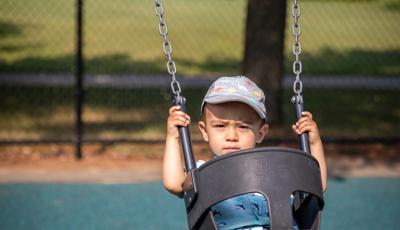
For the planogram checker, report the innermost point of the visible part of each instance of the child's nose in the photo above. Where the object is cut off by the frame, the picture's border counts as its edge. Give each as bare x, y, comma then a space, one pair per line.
232, 135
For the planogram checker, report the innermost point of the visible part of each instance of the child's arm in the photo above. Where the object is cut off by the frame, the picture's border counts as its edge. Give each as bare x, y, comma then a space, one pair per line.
307, 124
173, 173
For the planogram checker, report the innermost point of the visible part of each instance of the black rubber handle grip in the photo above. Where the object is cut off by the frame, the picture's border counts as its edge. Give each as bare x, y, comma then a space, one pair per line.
185, 137
304, 142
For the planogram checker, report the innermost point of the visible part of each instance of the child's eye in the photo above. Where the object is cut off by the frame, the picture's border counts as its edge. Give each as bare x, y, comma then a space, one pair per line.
219, 126
244, 127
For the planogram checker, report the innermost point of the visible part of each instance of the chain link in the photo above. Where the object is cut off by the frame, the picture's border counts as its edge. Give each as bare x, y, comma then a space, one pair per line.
167, 46
296, 48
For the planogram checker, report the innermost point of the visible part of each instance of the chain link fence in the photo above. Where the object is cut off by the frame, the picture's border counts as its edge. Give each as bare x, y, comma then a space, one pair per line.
350, 56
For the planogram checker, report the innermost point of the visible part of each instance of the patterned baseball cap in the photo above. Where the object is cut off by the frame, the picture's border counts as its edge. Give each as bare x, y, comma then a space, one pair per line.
238, 88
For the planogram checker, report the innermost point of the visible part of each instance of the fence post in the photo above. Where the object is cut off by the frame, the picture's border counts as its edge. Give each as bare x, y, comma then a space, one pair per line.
79, 74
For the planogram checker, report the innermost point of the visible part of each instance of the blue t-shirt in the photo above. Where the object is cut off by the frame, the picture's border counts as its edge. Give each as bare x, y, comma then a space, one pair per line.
244, 211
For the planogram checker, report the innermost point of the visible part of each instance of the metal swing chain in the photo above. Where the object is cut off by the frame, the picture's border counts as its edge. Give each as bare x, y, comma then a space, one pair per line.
178, 99
296, 31
167, 47
297, 100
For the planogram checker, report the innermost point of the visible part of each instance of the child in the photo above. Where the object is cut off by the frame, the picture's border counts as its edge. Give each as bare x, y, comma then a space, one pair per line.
233, 119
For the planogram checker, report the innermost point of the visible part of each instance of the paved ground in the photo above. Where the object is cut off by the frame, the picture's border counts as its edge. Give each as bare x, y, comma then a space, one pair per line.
107, 192
344, 161
87, 171
351, 204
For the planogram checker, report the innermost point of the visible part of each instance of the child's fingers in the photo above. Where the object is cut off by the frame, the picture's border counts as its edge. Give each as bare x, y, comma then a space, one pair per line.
303, 120
305, 127
299, 129
182, 115
180, 122
176, 119
174, 109
307, 114
296, 128
179, 118
174, 123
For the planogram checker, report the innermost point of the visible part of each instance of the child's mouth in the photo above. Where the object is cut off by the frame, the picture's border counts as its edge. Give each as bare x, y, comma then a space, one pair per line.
230, 149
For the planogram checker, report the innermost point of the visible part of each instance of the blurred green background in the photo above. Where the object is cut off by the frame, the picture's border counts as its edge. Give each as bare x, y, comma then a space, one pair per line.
340, 39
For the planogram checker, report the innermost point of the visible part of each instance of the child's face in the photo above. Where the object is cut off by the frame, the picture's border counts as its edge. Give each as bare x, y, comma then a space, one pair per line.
231, 126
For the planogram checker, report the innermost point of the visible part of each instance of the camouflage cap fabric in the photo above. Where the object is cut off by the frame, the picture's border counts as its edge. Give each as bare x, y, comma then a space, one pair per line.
238, 88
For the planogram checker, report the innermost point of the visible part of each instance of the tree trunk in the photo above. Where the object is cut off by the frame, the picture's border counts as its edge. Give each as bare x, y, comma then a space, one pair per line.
263, 54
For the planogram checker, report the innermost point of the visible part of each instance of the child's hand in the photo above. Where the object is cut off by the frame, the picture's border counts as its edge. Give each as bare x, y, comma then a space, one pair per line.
307, 124
176, 118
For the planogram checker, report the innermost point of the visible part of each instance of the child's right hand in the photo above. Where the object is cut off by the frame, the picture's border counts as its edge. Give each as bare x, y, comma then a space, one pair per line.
176, 118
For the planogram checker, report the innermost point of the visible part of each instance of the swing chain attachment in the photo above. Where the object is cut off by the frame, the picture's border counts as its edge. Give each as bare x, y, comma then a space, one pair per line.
177, 98
297, 99
167, 47
296, 48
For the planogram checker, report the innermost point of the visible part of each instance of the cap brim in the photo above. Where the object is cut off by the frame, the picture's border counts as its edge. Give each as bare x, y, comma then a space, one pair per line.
225, 98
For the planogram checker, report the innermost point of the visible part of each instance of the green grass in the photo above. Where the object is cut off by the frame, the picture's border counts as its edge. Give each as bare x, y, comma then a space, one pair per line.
339, 37
41, 112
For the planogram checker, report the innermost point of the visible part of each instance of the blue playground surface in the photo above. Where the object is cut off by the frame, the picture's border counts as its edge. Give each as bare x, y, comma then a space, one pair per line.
363, 203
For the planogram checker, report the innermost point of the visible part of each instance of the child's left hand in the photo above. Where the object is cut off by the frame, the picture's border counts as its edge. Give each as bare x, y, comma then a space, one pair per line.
307, 124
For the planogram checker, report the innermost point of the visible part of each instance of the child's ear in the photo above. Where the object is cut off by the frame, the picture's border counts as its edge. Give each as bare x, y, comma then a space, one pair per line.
202, 127
262, 131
